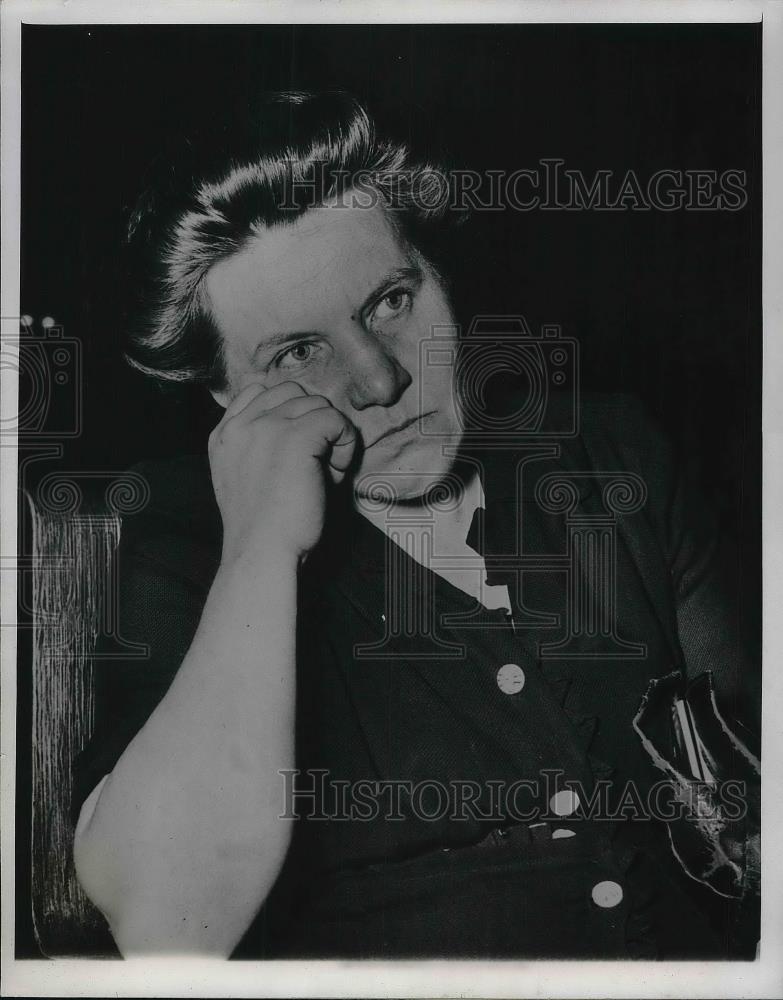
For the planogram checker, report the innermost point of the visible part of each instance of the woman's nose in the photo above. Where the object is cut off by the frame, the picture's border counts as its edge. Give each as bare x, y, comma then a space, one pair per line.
375, 376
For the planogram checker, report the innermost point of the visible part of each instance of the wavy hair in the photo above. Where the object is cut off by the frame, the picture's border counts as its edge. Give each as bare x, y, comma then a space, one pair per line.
208, 196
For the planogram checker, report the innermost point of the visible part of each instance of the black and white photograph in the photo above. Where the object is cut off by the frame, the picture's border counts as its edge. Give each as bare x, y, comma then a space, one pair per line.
383, 479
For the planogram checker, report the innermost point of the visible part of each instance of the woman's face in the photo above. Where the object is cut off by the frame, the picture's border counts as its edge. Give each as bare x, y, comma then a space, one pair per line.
336, 303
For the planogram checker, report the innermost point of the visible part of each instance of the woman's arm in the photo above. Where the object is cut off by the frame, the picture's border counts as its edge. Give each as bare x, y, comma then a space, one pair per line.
183, 842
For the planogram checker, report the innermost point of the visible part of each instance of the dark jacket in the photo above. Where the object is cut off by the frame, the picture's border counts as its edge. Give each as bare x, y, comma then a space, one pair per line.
378, 704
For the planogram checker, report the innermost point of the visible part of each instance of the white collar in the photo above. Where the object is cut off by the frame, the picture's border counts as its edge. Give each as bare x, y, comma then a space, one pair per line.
438, 540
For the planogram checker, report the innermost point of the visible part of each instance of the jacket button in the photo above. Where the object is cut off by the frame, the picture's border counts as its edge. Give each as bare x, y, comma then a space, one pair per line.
607, 894
564, 803
511, 678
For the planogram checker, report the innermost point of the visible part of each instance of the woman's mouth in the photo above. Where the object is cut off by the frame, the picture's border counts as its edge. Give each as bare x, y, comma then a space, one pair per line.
399, 428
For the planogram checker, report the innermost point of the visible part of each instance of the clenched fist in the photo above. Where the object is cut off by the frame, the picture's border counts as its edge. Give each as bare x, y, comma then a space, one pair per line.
269, 457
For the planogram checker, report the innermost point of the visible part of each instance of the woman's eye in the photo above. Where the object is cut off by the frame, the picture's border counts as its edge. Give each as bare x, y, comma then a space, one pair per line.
299, 354
391, 305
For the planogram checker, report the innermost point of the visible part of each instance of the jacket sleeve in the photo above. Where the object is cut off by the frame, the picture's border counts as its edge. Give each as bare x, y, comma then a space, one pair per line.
704, 591
704, 564
715, 634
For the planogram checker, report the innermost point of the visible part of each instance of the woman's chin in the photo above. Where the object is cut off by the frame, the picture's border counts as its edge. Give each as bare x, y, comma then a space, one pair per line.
403, 477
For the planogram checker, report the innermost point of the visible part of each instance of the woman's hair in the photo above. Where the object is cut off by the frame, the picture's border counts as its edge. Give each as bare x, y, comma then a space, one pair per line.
211, 195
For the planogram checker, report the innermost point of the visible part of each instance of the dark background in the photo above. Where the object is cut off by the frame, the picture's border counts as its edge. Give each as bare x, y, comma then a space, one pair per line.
665, 305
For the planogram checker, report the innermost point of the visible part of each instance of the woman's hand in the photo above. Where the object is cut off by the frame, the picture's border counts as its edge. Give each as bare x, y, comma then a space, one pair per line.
269, 457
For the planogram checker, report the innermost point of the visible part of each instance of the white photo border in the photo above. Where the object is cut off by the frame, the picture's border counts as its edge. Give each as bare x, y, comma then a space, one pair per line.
206, 978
